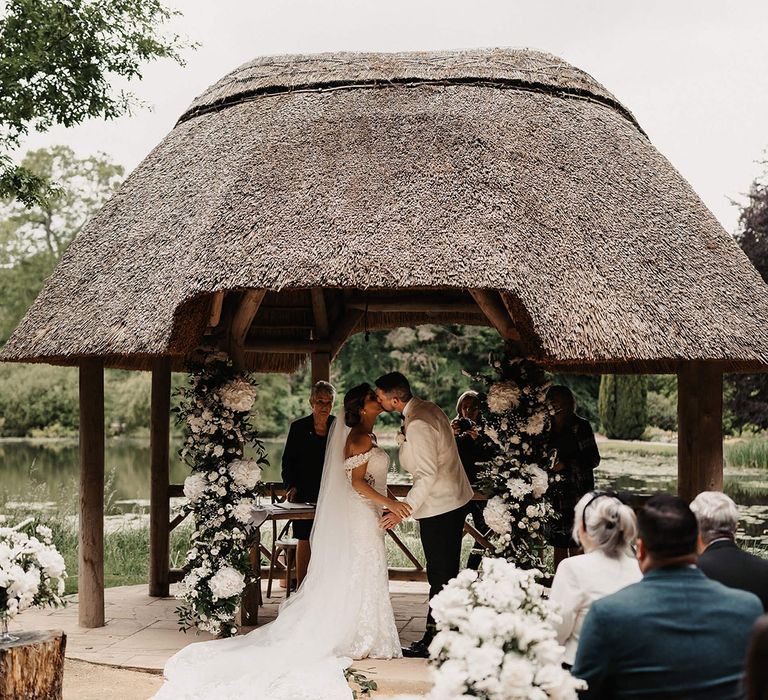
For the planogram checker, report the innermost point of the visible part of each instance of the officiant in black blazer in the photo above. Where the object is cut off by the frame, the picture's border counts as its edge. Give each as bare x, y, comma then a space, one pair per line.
303, 459
720, 558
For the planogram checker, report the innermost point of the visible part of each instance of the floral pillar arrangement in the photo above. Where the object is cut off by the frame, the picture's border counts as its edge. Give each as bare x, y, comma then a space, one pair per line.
32, 573
221, 491
516, 419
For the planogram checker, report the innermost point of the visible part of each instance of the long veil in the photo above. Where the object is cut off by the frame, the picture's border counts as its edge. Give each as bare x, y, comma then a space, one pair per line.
298, 656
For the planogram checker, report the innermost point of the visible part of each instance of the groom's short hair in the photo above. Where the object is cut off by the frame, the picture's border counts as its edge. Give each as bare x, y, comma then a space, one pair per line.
395, 386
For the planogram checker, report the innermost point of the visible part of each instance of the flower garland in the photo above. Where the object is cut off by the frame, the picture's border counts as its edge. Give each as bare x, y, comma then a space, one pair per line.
516, 419
496, 638
214, 412
32, 571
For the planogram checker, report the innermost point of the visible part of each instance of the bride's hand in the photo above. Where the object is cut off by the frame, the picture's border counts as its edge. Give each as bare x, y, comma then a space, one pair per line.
401, 509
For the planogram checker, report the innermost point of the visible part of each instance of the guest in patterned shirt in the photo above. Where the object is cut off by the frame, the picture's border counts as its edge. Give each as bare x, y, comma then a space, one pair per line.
572, 475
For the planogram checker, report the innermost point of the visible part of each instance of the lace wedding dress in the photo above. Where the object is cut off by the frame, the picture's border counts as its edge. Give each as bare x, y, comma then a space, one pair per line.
341, 612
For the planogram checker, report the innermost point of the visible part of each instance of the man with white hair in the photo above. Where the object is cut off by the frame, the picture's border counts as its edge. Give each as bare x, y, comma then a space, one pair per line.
719, 556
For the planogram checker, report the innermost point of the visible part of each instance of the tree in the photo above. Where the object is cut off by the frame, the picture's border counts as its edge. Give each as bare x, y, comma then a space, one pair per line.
622, 405
32, 239
58, 59
747, 394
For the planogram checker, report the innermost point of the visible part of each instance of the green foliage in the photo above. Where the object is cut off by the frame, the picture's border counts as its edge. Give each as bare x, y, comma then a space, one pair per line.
662, 411
33, 239
622, 405
58, 62
747, 453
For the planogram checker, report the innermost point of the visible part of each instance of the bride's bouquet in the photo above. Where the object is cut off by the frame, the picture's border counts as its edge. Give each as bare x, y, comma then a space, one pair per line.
32, 571
495, 638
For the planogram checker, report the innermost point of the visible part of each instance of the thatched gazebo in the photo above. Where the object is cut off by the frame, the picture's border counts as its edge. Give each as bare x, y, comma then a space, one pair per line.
302, 198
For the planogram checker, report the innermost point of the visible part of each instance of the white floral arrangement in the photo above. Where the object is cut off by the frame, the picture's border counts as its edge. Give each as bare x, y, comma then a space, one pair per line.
32, 572
220, 492
496, 639
516, 421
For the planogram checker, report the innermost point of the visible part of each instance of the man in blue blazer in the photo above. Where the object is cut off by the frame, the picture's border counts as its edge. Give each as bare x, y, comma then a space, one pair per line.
674, 635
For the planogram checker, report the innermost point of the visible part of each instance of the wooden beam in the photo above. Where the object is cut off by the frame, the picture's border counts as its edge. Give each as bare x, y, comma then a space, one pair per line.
321, 367
494, 310
90, 581
159, 508
249, 306
416, 306
217, 300
700, 429
288, 347
343, 330
320, 312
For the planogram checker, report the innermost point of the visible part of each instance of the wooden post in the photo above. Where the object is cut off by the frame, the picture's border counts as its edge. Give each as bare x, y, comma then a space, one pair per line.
159, 504
90, 582
321, 367
700, 429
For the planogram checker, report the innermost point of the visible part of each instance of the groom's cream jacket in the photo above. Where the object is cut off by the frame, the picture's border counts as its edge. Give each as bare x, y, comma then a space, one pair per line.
429, 454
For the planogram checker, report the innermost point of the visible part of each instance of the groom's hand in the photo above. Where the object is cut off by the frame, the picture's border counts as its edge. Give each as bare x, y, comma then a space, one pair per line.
389, 520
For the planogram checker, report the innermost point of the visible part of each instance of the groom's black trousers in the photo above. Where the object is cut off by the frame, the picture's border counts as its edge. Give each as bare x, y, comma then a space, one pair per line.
441, 537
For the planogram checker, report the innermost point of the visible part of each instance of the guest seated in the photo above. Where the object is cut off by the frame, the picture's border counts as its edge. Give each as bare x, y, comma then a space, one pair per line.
674, 634
605, 528
473, 449
303, 459
719, 556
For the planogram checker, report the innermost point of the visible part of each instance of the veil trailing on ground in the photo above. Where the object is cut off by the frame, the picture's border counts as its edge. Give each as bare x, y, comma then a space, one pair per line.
299, 656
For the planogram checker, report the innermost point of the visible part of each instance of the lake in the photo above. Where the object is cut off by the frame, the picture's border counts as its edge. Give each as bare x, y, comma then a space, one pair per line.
43, 475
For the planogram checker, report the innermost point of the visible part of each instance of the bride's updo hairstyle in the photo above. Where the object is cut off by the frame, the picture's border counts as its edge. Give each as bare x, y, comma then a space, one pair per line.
610, 524
354, 400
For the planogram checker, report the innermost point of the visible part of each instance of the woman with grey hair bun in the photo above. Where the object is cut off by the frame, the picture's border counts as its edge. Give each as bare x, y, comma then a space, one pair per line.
605, 528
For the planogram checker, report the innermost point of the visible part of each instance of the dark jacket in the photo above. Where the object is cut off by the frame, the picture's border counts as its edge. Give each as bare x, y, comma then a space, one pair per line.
723, 561
303, 459
674, 635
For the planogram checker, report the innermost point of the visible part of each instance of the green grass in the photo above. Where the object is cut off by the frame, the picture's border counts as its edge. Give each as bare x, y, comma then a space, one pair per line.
636, 447
752, 452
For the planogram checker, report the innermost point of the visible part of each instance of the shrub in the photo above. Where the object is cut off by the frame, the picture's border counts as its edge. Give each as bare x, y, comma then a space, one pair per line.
662, 411
622, 406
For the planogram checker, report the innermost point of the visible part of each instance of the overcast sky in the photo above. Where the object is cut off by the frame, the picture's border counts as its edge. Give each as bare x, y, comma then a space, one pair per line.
694, 72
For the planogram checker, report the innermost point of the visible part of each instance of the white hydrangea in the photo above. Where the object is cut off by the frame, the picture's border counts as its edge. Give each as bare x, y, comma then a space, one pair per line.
496, 515
194, 487
503, 396
238, 395
539, 480
246, 473
51, 562
242, 511
227, 582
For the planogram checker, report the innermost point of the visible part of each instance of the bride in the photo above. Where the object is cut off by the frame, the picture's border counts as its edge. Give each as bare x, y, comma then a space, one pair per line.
341, 611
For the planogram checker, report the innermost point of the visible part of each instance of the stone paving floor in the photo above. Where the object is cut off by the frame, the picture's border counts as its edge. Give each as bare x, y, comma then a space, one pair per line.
142, 632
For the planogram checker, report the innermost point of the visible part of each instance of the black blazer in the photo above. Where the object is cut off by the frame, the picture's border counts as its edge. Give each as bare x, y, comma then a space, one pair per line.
303, 459
723, 561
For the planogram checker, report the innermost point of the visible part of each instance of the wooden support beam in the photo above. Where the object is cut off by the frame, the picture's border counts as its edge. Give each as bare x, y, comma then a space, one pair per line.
494, 310
320, 312
288, 347
217, 300
248, 308
405, 306
700, 429
321, 367
90, 581
159, 508
343, 330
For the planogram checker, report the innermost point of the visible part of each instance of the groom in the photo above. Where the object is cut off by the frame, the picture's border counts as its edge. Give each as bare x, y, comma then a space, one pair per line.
440, 489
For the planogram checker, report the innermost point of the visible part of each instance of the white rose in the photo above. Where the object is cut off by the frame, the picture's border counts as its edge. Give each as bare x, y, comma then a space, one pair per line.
194, 487
227, 582
539, 481
218, 451
195, 423
245, 472
496, 515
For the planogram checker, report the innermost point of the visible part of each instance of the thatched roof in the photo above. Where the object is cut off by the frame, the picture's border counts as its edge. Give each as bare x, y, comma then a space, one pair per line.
416, 177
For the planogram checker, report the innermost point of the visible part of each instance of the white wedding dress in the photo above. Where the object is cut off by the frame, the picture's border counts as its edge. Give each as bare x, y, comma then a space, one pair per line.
341, 612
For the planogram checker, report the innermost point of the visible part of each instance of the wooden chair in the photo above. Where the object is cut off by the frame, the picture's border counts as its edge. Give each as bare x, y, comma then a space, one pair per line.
281, 543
